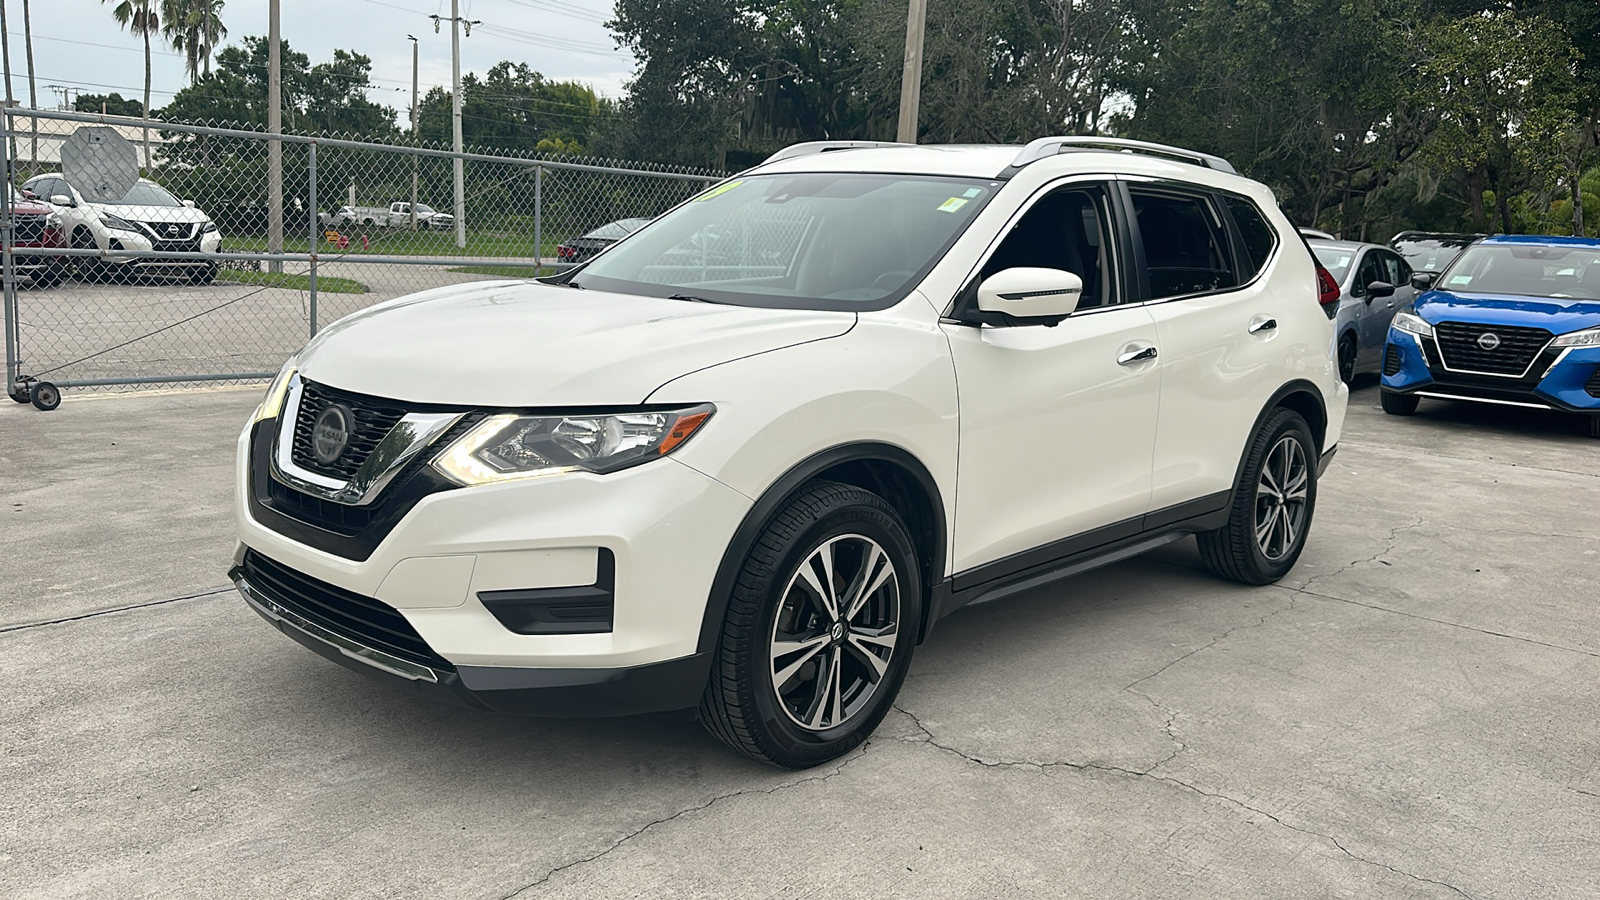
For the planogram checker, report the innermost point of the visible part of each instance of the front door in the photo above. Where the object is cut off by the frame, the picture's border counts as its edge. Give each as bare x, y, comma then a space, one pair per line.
1057, 423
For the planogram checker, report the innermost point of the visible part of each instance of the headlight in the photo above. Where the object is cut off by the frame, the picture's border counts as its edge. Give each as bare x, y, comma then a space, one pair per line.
1412, 323
272, 403
1589, 338
117, 222
52, 221
510, 446
208, 227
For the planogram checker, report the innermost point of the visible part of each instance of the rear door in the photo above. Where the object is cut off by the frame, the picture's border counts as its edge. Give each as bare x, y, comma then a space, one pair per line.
1216, 322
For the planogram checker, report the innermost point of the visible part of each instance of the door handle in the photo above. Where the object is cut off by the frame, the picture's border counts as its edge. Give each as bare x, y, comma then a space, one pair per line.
1139, 354
1260, 325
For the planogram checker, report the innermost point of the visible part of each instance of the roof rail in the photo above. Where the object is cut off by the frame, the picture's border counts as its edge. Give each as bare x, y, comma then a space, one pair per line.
1050, 146
810, 147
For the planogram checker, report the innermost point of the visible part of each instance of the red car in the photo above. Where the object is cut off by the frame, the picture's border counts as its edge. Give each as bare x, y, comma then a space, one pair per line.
37, 226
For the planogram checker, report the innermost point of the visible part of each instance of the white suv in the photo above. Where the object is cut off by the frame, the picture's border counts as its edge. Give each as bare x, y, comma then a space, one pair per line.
744, 459
147, 218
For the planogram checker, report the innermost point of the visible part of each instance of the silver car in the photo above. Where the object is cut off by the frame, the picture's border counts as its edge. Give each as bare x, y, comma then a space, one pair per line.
1374, 283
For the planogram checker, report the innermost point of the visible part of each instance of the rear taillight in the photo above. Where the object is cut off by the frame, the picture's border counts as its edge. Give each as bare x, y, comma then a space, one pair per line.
1327, 291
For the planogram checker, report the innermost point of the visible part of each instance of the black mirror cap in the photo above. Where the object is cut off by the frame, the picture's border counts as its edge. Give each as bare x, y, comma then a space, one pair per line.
1379, 289
1423, 281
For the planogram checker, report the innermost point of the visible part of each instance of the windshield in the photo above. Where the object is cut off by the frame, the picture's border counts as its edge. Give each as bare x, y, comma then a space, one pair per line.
424, 209
144, 193
1335, 260
1527, 271
1432, 254
804, 241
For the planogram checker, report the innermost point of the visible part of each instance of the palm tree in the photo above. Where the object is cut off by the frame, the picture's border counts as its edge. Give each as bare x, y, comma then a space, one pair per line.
140, 17
195, 28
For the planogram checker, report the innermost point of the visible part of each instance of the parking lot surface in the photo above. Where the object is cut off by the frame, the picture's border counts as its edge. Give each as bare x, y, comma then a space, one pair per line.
1414, 712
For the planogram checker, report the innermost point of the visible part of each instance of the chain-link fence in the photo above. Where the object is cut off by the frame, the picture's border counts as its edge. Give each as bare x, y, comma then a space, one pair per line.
194, 275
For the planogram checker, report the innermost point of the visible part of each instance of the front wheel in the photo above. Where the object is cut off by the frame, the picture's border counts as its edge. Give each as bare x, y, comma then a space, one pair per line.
819, 632
1273, 502
1398, 404
1347, 359
1594, 426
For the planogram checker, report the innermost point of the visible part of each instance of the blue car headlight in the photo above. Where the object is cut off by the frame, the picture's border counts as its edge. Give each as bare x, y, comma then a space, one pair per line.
1413, 324
1589, 337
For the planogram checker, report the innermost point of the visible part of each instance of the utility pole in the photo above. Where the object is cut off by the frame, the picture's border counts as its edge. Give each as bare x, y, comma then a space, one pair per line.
416, 127
33, 91
456, 23
274, 148
911, 75
5, 51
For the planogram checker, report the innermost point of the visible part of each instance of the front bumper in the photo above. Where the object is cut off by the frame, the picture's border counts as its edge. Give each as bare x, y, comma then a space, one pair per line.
121, 247
654, 536
1559, 379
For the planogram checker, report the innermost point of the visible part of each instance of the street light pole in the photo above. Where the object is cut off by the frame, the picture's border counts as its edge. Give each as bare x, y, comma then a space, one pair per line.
455, 122
274, 148
911, 75
416, 128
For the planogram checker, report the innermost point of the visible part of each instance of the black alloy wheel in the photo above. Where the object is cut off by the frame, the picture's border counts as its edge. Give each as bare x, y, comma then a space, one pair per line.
1347, 358
819, 632
1273, 502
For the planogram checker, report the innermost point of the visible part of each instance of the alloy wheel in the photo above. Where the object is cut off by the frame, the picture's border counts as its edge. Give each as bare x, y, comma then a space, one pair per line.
834, 632
1281, 498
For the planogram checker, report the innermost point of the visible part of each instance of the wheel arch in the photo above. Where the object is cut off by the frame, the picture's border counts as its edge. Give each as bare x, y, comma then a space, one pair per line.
1302, 397
885, 469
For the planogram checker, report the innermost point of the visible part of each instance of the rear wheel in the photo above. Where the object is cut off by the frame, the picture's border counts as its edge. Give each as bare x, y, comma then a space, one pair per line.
819, 631
1347, 358
1272, 507
1398, 404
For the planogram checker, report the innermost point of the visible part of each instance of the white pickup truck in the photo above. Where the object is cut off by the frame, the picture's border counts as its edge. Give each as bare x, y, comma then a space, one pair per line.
396, 215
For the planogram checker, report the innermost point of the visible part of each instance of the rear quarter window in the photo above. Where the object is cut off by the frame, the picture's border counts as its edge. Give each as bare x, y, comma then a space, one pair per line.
1258, 237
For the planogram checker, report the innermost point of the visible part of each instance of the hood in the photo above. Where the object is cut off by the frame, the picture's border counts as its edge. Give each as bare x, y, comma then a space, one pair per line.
162, 214
524, 344
31, 208
1558, 315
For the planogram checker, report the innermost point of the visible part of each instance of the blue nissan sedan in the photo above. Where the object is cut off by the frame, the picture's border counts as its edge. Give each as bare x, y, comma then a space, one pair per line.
1515, 320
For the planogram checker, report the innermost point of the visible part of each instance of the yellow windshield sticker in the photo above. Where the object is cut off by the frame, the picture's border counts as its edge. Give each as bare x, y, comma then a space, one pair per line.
951, 205
719, 189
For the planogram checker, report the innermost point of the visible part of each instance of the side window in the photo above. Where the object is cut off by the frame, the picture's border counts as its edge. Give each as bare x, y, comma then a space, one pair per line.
1184, 248
1372, 269
1259, 238
1399, 273
1066, 229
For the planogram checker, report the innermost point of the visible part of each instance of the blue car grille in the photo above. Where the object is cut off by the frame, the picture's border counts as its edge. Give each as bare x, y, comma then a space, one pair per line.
1517, 347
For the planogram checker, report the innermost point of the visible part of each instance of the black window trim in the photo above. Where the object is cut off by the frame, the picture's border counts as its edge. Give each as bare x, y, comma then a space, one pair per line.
966, 298
1219, 210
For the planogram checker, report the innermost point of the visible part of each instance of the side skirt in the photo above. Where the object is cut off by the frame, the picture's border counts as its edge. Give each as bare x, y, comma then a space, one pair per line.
1074, 555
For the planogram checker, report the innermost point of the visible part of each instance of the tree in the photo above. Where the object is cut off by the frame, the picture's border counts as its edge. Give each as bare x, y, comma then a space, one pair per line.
108, 104
194, 28
328, 98
139, 17
1503, 86
514, 107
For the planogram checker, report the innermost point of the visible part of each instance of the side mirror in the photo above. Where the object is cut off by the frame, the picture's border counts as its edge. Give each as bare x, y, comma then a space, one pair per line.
1029, 296
1379, 289
1423, 281
61, 200
188, 204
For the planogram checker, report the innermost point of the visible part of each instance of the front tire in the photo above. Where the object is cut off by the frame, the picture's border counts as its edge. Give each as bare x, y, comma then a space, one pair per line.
820, 627
1347, 359
1594, 426
1273, 503
1398, 404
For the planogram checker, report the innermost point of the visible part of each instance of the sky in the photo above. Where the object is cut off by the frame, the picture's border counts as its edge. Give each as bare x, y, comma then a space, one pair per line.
77, 44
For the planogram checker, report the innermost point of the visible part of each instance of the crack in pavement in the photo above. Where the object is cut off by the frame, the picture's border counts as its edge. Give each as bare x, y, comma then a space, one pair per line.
1148, 774
209, 592
680, 813
1390, 543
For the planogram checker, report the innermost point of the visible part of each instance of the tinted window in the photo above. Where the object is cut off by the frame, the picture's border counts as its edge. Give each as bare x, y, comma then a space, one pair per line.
1372, 269
1184, 250
1258, 236
1065, 230
1393, 266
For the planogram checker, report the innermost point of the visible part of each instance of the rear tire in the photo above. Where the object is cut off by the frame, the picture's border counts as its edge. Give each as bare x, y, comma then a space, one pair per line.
799, 678
1398, 404
1272, 506
1347, 358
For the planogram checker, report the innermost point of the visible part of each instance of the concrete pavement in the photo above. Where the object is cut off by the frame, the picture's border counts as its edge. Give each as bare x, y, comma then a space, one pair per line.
1412, 713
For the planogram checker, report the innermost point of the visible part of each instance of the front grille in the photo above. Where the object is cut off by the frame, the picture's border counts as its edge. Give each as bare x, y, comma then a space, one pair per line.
1593, 387
1458, 341
326, 514
180, 246
163, 231
374, 419
362, 619
28, 229
1391, 360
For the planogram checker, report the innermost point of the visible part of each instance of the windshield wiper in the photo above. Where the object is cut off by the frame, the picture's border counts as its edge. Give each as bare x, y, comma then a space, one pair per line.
690, 298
